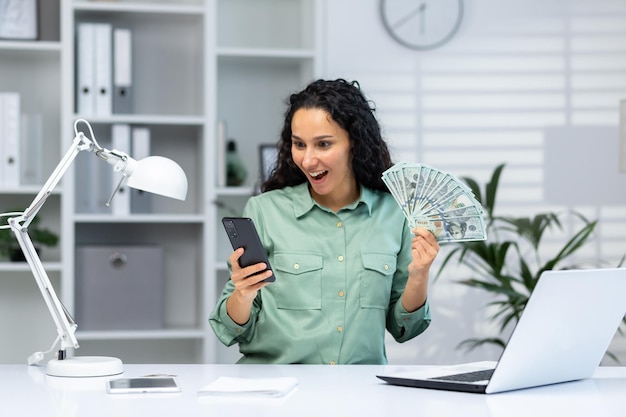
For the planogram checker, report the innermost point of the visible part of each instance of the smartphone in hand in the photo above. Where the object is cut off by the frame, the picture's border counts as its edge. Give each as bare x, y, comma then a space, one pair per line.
242, 234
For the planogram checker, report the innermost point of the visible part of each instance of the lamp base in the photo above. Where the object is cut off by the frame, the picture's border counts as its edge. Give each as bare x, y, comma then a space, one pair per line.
85, 366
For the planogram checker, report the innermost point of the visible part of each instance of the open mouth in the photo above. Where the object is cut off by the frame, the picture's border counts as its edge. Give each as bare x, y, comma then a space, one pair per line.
318, 175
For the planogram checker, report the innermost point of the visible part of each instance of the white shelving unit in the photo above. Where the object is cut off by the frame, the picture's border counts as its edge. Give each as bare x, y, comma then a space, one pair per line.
195, 62
32, 69
168, 73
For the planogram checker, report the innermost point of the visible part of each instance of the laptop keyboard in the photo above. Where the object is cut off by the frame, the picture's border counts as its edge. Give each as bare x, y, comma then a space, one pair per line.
468, 376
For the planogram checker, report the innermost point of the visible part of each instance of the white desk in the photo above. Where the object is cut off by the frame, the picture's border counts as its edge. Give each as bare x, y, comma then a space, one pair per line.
326, 391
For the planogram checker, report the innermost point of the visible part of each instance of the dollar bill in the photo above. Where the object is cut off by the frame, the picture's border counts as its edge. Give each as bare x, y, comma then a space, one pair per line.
437, 201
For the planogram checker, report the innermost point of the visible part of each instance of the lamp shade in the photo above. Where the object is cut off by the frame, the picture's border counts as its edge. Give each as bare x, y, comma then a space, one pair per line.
159, 175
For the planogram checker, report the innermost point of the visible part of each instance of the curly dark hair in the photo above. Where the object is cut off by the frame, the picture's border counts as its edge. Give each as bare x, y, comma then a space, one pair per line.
347, 106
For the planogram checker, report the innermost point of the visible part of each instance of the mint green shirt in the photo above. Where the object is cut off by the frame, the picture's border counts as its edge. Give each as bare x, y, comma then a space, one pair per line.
339, 281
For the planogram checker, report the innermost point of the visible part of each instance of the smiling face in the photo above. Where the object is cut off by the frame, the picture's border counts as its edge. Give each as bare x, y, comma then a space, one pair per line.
321, 149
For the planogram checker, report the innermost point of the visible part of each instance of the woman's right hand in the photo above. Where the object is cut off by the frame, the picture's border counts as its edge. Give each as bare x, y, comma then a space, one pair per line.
248, 281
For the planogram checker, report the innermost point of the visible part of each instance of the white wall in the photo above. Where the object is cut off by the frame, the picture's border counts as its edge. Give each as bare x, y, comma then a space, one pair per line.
516, 70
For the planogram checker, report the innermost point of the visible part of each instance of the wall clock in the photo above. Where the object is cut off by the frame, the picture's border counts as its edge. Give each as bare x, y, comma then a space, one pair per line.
421, 24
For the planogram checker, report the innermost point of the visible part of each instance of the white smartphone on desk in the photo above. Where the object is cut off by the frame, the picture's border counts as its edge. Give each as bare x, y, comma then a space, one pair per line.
142, 385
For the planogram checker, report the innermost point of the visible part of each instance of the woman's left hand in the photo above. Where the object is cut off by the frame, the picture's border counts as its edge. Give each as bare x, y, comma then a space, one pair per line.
424, 249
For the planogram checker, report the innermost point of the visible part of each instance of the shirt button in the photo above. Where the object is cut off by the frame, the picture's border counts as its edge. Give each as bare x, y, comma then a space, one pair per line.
332, 363
341, 294
339, 224
340, 258
296, 266
386, 267
339, 329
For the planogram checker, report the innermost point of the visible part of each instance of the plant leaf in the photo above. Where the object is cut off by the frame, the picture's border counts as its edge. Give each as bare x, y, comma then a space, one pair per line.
471, 344
491, 190
572, 245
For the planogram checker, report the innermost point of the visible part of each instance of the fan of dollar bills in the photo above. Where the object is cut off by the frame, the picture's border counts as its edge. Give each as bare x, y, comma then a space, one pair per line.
437, 201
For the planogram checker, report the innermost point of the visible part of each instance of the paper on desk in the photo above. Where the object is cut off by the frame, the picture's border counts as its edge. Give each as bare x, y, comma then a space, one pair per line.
251, 387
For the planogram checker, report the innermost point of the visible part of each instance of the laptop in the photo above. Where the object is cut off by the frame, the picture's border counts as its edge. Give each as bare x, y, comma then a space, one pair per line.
562, 335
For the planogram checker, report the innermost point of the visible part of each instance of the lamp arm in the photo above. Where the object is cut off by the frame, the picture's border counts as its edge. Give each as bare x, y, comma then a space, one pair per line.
80, 143
63, 320
19, 224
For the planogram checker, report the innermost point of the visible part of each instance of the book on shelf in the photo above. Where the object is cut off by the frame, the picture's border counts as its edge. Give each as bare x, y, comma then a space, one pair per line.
122, 71
104, 69
220, 144
10, 123
120, 138
20, 143
31, 149
94, 184
140, 201
85, 67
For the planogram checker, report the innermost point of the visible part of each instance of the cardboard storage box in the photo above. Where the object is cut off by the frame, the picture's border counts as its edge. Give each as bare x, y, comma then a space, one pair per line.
119, 287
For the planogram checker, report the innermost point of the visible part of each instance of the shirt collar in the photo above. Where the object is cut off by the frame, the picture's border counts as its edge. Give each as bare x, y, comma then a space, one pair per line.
303, 202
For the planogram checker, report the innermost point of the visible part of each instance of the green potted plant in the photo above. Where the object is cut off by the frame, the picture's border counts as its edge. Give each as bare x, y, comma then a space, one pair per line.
9, 247
508, 264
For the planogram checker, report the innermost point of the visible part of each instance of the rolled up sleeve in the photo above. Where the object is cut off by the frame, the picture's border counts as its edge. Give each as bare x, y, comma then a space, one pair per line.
404, 326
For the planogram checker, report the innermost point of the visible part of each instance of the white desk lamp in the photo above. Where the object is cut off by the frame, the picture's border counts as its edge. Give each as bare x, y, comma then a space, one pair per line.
154, 174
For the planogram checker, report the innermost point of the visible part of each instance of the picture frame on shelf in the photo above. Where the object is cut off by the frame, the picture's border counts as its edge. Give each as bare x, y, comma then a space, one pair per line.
268, 153
19, 19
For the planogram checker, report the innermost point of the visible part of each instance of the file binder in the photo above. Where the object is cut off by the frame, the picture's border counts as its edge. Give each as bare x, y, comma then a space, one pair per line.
140, 201
85, 69
120, 136
122, 71
2, 139
220, 167
104, 69
622, 136
93, 186
31, 149
10, 138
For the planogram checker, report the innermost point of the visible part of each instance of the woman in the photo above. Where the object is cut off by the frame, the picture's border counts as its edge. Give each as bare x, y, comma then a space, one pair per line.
347, 267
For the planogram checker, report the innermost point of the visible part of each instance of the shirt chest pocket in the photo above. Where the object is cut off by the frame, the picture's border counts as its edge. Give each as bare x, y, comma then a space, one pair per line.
298, 284
376, 279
